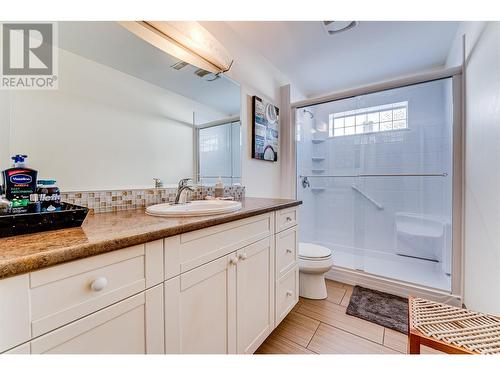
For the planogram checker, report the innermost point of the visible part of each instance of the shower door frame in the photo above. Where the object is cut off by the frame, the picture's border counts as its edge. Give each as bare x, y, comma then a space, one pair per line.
196, 147
388, 284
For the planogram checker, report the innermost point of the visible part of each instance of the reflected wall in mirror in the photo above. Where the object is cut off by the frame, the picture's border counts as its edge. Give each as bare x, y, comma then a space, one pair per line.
125, 112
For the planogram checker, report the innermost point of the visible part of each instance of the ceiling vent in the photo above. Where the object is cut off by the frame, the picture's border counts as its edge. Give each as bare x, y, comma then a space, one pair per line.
201, 72
335, 27
206, 75
179, 65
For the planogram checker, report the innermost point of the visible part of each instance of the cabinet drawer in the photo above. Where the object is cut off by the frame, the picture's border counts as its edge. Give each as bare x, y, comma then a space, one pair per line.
117, 329
67, 292
286, 218
287, 249
193, 249
287, 293
131, 326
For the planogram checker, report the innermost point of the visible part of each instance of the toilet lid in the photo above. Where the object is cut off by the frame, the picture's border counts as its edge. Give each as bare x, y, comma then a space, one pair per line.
312, 251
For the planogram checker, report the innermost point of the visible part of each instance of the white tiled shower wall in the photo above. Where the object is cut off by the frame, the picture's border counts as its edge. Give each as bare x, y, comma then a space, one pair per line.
340, 215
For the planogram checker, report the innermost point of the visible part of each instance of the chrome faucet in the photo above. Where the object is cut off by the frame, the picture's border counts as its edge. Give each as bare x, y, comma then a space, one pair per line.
182, 187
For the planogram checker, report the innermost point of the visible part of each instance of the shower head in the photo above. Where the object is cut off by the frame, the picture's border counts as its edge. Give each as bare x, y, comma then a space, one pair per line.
307, 111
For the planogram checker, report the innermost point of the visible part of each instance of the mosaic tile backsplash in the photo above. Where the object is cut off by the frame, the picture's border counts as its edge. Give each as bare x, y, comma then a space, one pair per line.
119, 200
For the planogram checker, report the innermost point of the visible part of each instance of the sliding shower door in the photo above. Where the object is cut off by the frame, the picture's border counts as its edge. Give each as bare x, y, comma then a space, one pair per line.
375, 175
219, 153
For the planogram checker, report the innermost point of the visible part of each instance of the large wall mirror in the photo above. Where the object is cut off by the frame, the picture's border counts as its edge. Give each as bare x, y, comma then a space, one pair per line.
125, 112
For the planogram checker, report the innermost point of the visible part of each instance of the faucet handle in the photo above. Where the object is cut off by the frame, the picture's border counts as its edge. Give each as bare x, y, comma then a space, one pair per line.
184, 181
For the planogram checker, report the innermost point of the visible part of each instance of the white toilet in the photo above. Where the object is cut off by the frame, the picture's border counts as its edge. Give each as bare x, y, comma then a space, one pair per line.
314, 262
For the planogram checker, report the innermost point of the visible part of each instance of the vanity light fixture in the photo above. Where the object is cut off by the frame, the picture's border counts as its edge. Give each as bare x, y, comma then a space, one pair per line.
186, 40
335, 27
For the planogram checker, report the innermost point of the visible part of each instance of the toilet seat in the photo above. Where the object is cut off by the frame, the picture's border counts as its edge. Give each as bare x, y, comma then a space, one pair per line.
313, 252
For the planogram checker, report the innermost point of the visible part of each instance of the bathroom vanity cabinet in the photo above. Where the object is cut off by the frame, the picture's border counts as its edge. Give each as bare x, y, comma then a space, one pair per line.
220, 289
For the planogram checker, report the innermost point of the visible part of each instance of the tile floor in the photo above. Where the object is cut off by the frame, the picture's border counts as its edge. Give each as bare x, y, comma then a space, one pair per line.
322, 327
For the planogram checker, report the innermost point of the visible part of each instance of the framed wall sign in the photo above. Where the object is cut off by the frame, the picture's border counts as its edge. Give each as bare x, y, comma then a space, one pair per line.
265, 136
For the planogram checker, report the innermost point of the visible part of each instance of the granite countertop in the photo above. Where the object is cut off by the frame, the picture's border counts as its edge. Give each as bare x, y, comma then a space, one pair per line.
105, 232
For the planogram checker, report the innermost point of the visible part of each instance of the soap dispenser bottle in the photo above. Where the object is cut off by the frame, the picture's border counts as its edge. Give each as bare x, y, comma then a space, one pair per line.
19, 183
219, 189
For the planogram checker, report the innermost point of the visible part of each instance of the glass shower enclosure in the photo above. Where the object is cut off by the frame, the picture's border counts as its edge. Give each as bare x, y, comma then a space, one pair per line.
219, 153
375, 175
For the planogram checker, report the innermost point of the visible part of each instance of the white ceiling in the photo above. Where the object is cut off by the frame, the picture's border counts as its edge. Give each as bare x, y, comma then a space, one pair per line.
110, 44
373, 51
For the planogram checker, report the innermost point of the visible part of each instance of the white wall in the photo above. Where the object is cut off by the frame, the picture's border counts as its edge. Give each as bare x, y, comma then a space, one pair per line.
482, 173
102, 129
257, 76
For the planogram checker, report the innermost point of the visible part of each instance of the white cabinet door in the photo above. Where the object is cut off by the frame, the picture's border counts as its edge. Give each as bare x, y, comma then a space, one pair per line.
14, 311
127, 327
255, 294
200, 309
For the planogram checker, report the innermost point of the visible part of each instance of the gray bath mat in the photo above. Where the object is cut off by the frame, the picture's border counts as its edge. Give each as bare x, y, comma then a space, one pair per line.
381, 308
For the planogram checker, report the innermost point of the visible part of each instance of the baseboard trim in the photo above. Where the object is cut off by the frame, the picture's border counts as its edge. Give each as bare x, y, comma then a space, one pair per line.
353, 277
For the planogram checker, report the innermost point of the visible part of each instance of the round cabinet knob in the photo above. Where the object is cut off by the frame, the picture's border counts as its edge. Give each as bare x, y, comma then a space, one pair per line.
99, 284
233, 261
243, 256
289, 251
288, 218
289, 293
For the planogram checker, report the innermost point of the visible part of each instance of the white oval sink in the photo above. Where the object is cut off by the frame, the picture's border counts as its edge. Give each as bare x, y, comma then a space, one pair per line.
194, 208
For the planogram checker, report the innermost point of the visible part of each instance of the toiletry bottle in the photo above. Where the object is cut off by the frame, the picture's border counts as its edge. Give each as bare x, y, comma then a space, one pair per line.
49, 195
19, 183
5, 204
219, 189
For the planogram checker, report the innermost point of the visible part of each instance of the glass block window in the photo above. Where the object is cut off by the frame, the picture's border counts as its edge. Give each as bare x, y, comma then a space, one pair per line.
209, 144
380, 118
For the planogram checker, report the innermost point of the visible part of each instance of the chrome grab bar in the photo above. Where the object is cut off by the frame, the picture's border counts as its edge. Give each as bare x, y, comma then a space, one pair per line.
378, 205
444, 174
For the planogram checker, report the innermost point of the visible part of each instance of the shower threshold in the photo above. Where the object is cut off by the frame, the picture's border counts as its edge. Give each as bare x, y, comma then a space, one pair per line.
409, 269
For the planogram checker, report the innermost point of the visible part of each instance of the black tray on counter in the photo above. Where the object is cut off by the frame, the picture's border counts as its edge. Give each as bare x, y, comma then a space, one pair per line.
70, 216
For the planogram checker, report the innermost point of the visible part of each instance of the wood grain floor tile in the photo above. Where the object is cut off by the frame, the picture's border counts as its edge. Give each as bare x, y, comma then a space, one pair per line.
336, 283
399, 341
297, 328
335, 315
347, 295
322, 326
276, 344
331, 340
426, 350
395, 340
335, 290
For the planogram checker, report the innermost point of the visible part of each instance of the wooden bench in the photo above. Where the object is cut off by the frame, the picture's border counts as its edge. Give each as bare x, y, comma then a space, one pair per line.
451, 329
